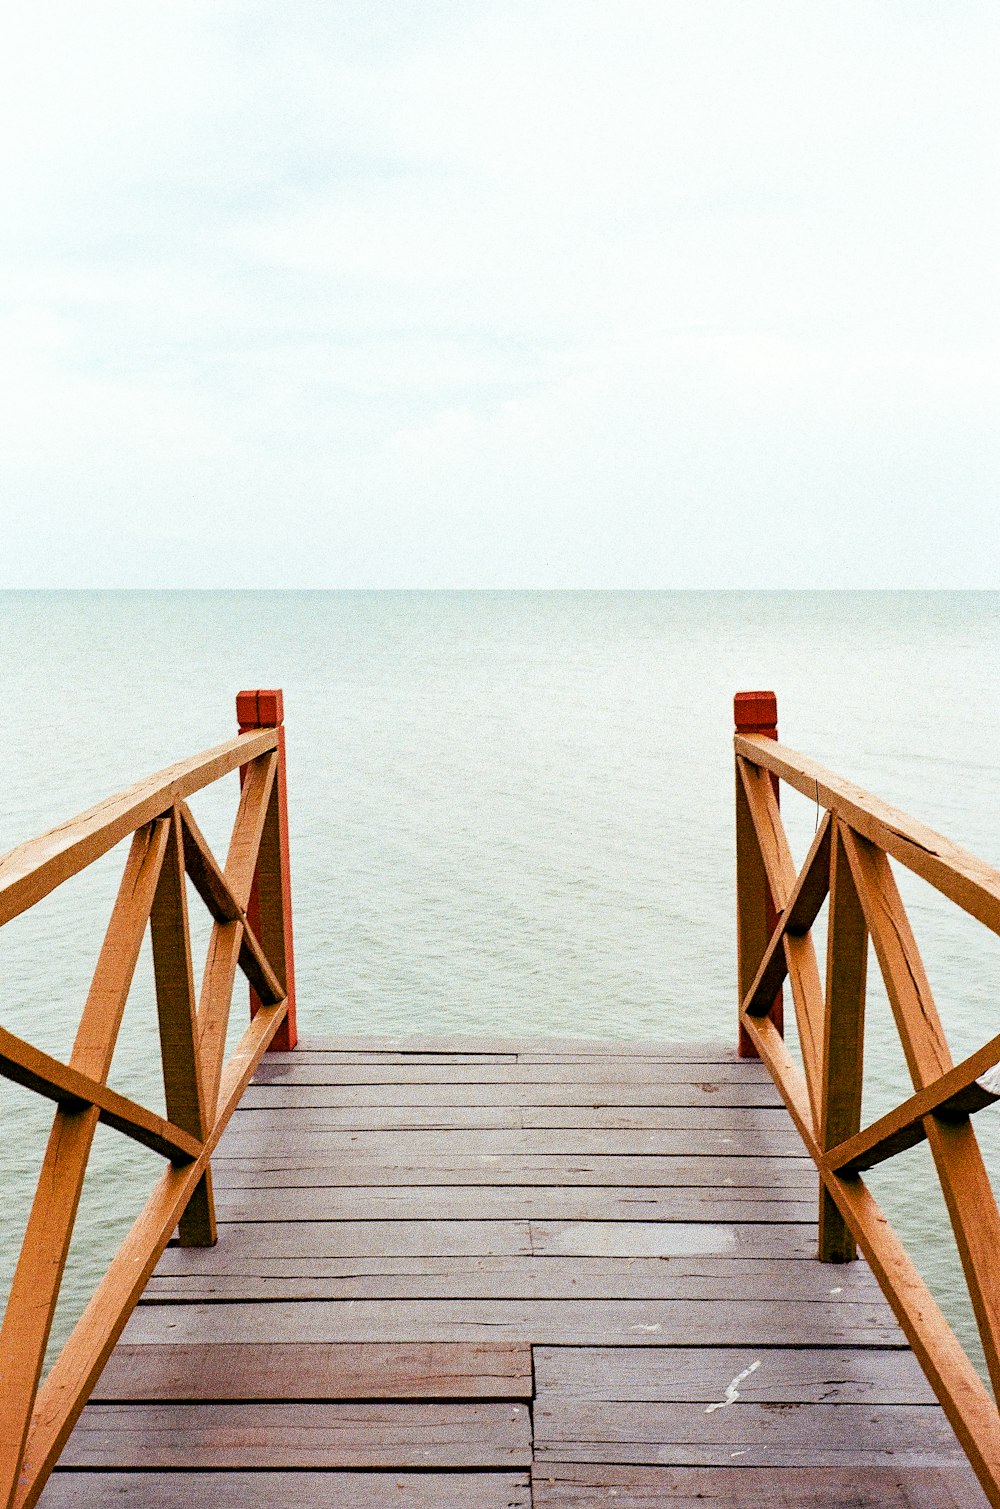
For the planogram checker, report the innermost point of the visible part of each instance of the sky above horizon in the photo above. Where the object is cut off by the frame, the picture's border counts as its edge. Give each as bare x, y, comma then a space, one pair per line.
652, 293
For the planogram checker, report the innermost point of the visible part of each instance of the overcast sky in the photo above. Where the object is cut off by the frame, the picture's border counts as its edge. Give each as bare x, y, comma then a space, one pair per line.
637, 293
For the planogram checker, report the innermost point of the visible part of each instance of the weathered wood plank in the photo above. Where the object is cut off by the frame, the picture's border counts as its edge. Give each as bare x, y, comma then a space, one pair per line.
284, 1242
797, 1435
318, 1371
700, 1375
630, 1093
667, 1239
401, 1145
781, 1176
515, 1278
317, 1070
483, 1201
290, 1490
359, 1435
691, 1050
543, 1322
333, 1239
577, 1486
511, 1118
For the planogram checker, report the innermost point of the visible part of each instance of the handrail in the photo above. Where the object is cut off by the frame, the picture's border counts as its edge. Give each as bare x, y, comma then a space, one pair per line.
249, 898
848, 867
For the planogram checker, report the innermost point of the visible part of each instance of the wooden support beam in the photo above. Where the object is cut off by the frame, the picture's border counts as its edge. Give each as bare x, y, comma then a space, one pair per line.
27, 1065
843, 1044
269, 908
800, 954
178, 1026
965, 1183
755, 712
808, 895
952, 1097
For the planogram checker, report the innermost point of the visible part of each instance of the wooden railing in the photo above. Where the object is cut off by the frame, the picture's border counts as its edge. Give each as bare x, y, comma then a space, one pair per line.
848, 862
250, 902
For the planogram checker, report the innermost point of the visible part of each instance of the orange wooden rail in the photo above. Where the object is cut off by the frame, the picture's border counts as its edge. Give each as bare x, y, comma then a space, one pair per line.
848, 867
249, 899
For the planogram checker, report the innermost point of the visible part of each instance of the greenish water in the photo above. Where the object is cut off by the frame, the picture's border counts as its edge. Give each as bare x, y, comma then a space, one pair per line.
509, 812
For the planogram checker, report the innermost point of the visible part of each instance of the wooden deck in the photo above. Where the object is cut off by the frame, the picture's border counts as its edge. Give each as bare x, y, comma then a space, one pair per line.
491, 1274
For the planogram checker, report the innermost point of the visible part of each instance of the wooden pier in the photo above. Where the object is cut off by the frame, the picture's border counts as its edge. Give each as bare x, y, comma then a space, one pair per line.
441, 1272
494, 1274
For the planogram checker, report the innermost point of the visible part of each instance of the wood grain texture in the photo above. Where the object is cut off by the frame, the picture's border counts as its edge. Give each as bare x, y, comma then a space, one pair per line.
542, 1322
317, 1371
574, 1486
302, 1435
696, 1375
288, 1490
566, 1277
793, 1435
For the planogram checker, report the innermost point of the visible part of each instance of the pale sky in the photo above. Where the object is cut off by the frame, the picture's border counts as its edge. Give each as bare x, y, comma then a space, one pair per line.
575, 293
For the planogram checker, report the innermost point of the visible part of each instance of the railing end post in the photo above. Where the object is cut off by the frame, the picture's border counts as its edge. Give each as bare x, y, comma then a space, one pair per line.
756, 713
756, 917
272, 885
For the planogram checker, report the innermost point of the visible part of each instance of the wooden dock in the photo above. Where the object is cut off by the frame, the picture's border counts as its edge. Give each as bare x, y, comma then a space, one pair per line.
497, 1274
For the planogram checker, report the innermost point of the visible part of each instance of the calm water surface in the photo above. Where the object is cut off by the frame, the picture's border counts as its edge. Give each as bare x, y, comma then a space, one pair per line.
509, 813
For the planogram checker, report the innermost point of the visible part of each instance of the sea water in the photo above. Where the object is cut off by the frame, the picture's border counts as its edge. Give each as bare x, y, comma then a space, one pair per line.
510, 814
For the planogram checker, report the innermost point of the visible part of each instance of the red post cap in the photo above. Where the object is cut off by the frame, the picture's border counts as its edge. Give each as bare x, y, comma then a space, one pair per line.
260, 709
756, 713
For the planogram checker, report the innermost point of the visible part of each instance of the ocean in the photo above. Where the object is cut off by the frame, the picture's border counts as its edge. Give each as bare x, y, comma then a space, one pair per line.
509, 813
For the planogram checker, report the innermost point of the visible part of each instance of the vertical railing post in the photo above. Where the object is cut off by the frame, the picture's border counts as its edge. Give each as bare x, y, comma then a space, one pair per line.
269, 909
843, 1038
756, 917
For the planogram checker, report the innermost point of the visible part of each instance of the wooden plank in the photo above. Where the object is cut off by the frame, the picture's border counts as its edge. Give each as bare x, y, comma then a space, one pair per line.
669, 1239
252, 1121
536, 1202
33, 869
576, 1486
319, 1241
405, 1146
693, 1050
621, 1171
699, 1375
968, 881
565, 1277
707, 1092
334, 1370
797, 1435
843, 1039
290, 1490
541, 1322
307, 1071
300, 1435
332, 1239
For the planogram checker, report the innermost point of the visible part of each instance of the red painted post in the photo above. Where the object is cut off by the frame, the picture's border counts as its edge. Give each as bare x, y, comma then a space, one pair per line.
756, 915
269, 910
